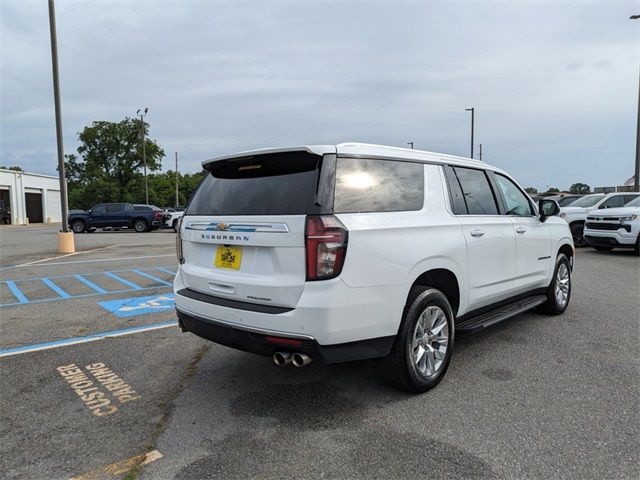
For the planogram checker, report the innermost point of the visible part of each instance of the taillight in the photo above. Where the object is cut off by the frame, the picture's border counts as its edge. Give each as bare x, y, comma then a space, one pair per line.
179, 243
326, 245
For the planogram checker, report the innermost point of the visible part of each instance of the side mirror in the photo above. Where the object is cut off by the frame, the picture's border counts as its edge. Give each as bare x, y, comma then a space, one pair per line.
547, 208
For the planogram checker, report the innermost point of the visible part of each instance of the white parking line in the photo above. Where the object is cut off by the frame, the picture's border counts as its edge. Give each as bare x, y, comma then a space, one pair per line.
89, 338
103, 260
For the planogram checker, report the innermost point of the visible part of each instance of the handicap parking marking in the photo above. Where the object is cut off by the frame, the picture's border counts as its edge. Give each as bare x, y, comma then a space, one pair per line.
22, 289
129, 307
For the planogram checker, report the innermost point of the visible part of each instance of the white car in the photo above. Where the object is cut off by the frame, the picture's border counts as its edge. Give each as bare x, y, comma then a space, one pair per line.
171, 219
615, 228
347, 252
576, 213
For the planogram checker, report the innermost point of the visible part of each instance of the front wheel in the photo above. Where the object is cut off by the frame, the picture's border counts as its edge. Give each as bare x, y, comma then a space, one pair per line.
423, 346
140, 226
78, 226
559, 291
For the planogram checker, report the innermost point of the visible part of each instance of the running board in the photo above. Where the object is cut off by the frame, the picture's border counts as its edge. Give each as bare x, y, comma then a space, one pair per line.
487, 319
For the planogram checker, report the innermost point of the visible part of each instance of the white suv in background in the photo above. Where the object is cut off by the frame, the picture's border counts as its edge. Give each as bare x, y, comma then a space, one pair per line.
346, 252
615, 228
576, 213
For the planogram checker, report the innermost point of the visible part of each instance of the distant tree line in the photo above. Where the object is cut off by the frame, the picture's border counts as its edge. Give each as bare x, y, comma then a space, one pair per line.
108, 167
576, 188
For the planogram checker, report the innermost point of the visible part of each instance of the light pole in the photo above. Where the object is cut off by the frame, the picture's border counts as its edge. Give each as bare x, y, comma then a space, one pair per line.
473, 111
66, 242
177, 199
636, 181
144, 154
411, 144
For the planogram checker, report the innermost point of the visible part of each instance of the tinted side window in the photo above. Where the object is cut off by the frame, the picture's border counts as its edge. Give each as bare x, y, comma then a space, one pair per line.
98, 210
115, 208
516, 201
613, 202
477, 192
457, 198
629, 198
365, 185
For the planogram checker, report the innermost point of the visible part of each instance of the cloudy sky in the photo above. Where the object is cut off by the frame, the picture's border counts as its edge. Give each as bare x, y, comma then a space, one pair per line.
554, 83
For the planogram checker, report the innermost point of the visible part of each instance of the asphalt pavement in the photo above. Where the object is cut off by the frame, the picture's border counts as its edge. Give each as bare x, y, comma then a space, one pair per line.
95, 375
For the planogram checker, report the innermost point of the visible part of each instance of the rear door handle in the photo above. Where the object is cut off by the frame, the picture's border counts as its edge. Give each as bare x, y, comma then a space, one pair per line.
520, 229
477, 233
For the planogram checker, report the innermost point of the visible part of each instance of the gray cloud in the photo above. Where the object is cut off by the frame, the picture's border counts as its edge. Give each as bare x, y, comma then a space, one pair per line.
554, 83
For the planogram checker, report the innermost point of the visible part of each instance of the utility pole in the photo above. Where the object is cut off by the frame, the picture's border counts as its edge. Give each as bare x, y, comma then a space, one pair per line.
411, 144
177, 200
66, 242
636, 181
480, 153
144, 154
473, 111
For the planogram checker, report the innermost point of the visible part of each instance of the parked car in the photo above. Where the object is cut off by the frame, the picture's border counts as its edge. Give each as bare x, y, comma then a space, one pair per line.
170, 219
353, 251
116, 215
564, 200
576, 213
615, 228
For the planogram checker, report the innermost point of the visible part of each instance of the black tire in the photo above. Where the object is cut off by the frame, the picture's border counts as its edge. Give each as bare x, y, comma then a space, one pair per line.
140, 225
553, 305
174, 225
399, 367
78, 226
577, 231
603, 249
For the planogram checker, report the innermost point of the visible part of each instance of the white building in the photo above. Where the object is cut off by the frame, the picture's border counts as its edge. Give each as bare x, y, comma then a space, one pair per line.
31, 197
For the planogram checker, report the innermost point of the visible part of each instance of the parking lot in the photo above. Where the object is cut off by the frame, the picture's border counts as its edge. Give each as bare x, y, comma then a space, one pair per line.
95, 375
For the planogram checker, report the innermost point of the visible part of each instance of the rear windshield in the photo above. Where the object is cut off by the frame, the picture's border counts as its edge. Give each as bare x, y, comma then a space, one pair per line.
273, 184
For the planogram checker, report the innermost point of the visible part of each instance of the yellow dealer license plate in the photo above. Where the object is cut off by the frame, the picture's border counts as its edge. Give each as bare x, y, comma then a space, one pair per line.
228, 257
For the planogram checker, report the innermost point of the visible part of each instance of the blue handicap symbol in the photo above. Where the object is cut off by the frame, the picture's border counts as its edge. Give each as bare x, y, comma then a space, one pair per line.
129, 307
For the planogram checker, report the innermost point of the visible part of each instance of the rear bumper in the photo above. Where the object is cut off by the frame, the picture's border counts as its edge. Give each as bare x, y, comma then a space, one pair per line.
267, 343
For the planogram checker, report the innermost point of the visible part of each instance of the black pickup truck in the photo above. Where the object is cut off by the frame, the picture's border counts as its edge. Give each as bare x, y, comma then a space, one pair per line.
116, 215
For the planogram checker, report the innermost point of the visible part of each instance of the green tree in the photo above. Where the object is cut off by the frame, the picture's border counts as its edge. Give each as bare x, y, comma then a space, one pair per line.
554, 190
15, 168
531, 190
580, 188
108, 165
162, 188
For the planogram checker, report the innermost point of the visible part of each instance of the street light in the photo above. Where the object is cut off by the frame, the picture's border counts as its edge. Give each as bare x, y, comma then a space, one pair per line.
636, 181
473, 111
144, 154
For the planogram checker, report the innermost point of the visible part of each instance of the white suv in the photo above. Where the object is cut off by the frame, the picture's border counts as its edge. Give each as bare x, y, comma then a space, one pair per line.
346, 252
615, 228
576, 213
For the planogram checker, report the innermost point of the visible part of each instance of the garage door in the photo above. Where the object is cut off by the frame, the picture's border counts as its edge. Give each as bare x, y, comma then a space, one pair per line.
33, 201
54, 212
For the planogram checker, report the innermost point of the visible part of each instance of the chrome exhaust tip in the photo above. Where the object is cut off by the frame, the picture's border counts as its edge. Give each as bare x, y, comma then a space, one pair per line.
300, 359
281, 358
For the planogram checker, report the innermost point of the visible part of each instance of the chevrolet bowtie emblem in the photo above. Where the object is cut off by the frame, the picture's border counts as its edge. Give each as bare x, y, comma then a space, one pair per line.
222, 226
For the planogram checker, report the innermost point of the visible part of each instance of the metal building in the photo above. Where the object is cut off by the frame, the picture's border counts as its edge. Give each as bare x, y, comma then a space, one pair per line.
30, 197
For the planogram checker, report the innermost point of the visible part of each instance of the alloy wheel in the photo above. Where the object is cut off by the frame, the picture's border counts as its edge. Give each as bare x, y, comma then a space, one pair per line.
562, 285
430, 341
